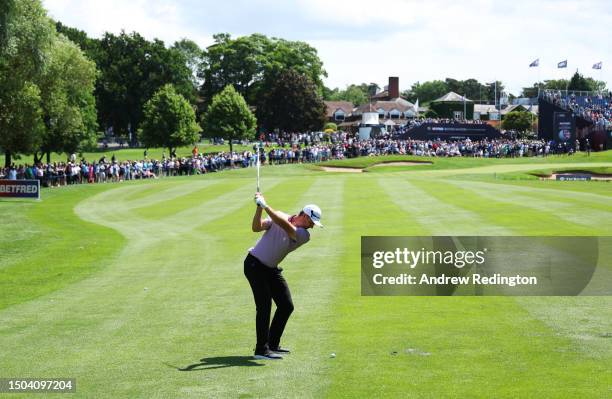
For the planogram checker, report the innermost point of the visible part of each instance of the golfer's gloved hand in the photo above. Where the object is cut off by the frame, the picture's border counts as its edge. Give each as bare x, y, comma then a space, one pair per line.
260, 201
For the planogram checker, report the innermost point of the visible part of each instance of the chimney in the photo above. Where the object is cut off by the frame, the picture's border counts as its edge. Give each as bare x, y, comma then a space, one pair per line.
393, 87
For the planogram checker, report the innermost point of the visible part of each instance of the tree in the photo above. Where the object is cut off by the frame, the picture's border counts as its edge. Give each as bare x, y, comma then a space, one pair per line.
229, 117
291, 102
473, 89
454, 85
328, 93
595, 85
297, 56
427, 91
7, 7
356, 94
589, 84
90, 46
132, 69
22, 63
69, 109
532, 92
493, 91
20, 131
169, 121
246, 62
193, 56
578, 83
519, 121
430, 113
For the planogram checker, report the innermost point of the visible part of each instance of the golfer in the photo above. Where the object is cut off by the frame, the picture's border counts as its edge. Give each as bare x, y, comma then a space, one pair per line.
283, 234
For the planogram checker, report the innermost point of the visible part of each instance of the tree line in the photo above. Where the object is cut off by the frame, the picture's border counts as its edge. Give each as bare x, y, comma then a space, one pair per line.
61, 90
483, 93
425, 92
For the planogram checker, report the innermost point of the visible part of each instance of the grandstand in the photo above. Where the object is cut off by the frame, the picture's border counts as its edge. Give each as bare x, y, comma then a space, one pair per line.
587, 114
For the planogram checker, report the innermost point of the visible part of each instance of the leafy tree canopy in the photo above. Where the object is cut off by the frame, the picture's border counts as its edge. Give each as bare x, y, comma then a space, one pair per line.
27, 36
246, 62
291, 102
518, 121
69, 109
229, 117
132, 69
169, 121
471, 88
356, 94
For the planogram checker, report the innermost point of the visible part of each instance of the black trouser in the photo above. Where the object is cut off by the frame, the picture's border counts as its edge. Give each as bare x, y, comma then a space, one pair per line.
268, 284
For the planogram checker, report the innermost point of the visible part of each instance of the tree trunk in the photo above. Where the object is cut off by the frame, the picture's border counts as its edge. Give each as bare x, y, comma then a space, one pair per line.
48, 156
7, 159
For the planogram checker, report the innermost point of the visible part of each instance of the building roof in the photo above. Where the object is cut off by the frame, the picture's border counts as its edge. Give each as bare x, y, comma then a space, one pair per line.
399, 103
485, 108
333, 106
382, 94
451, 97
515, 107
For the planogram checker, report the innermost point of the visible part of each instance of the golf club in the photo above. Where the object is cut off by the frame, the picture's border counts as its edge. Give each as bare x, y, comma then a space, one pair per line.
258, 166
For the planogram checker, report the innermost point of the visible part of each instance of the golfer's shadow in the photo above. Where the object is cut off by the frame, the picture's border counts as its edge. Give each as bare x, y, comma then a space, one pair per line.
211, 363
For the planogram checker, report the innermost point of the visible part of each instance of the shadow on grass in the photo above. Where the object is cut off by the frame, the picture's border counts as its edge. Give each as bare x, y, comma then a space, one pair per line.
211, 363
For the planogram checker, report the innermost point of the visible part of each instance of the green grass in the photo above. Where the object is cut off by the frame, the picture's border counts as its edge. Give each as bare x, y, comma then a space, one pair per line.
120, 285
36, 237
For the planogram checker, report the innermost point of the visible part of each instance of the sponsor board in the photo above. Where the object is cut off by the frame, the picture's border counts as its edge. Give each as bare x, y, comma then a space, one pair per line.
20, 189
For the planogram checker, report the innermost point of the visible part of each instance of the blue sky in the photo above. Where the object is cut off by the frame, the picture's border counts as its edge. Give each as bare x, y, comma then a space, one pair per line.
367, 41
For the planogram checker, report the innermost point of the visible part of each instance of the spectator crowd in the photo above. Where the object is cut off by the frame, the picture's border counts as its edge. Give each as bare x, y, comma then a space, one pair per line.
594, 107
289, 149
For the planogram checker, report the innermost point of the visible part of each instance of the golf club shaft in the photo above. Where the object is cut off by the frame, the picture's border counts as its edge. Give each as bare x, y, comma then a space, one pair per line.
258, 165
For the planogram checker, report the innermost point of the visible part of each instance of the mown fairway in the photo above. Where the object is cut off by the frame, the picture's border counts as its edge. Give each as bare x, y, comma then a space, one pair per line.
137, 289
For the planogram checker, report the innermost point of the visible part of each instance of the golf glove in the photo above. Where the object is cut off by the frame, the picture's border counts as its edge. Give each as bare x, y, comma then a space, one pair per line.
261, 202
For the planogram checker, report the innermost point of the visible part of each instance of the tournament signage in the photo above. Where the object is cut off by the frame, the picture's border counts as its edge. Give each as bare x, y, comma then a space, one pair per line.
573, 177
20, 189
563, 128
452, 131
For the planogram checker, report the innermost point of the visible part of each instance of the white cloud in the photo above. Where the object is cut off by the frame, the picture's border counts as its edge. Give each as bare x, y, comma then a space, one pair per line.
160, 19
463, 40
367, 41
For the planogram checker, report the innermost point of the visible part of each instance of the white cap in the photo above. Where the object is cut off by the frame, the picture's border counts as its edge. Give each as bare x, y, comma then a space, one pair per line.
314, 213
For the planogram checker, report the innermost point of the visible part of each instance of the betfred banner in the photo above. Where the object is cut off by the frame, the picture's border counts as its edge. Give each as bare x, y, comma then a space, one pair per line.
564, 128
20, 189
